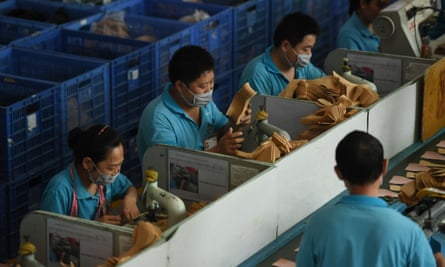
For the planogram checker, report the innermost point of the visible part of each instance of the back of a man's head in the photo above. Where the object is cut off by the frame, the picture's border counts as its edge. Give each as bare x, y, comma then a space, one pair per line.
359, 158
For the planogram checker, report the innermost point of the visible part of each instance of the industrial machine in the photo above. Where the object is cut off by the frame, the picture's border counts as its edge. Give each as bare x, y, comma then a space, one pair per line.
403, 26
429, 214
154, 197
263, 129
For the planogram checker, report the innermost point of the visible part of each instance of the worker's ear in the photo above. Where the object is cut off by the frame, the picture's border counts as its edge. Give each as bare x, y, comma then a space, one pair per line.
337, 171
87, 163
285, 44
385, 166
178, 84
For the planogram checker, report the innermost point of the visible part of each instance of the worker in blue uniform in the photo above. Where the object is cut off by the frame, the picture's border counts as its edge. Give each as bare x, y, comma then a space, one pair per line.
288, 58
185, 115
86, 187
357, 32
360, 229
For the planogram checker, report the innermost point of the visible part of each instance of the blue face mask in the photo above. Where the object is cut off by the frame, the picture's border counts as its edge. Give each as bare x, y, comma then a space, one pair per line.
198, 100
102, 179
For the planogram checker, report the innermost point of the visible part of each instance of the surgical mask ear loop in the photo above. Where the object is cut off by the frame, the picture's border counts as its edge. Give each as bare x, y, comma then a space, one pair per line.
289, 63
185, 98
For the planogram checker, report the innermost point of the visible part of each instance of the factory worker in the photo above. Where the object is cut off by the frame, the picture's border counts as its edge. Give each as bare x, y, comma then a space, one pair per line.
357, 32
289, 58
360, 229
185, 114
86, 187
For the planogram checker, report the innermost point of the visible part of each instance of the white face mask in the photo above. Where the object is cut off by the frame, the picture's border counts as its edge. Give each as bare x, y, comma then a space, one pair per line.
198, 100
103, 178
302, 59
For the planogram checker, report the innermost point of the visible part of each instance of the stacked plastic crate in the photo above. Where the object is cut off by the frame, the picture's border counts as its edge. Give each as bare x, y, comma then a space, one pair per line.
29, 148
133, 71
14, 29
330, 16
210, 27
250, 33
35, 126
130, 63
45, 11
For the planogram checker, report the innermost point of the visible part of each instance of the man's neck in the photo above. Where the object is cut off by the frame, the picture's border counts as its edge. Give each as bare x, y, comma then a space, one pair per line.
369, 189
277, 56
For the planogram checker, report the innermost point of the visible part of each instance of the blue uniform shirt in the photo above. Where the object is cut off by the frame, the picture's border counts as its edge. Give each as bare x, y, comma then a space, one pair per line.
265, 77
356, 36
164, 122
363, 231
58, 194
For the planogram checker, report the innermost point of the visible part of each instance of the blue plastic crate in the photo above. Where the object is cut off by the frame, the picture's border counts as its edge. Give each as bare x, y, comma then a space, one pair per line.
324, 43
84, 85
337, 22
250, 28
29, 127
319, 10
4, 231
99, 6
278, 10
251, 31
213, 33
22, 198
131, 68
171, 9
152, 28
13, 29
165, 48
45, 11
339, 7
216, 35
132, 166
224, 91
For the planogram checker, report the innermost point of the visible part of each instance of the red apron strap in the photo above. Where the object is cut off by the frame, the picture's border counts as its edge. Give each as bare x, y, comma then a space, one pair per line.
74, 205
102, 202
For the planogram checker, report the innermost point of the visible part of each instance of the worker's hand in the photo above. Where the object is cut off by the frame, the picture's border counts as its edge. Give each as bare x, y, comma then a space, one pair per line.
130, 209
111, 219
229, 142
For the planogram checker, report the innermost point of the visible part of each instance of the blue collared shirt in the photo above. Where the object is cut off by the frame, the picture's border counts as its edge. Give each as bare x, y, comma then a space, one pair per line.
164, 122
58, 194
265, 77
355, 35
363, 231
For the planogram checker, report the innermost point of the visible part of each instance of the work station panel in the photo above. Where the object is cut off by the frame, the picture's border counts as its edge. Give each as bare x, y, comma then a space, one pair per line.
387, 71
230, 229
306, 179
395, 119
59, 238
204, 176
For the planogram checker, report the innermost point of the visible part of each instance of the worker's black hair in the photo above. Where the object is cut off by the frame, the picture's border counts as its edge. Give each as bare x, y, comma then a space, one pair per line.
359, 157
96, 142
294, 27
354, 5
189, 63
